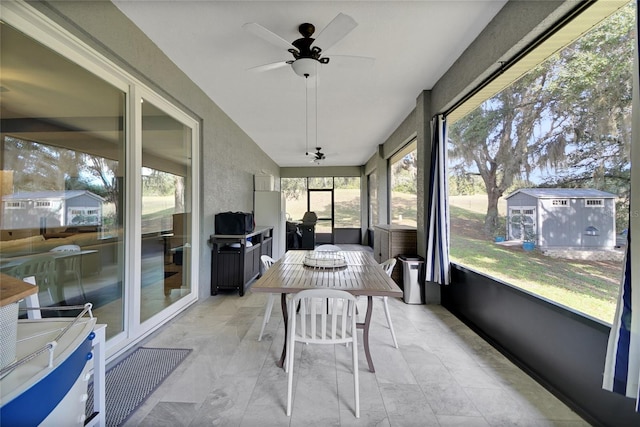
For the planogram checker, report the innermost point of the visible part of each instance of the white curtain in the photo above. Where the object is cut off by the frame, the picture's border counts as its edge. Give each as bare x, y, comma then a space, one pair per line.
622, 364
438, 268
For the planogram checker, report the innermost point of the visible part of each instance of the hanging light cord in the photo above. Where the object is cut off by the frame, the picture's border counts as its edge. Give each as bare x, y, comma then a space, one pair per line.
306, 113
316, 90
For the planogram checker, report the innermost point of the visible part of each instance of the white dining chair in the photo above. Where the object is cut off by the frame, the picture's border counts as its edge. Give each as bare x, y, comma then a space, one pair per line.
32, 302
71, 267
388, 266
267, 262
38, 270
313, 323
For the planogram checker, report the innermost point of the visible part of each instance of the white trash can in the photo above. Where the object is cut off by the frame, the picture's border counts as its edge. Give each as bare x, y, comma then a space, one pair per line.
411, 276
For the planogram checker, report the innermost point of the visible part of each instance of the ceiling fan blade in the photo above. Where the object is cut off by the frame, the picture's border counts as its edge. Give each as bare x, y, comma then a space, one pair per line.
335, 31
268, 67
263, 33
352, 61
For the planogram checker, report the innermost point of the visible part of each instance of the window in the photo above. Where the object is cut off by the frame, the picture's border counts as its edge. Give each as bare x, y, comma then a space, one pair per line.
346, 196
373, 199
544, 131
594, 203
403, 168
295, 194
335, 200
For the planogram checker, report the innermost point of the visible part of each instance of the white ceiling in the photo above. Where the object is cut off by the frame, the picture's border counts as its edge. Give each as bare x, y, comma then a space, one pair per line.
413, 43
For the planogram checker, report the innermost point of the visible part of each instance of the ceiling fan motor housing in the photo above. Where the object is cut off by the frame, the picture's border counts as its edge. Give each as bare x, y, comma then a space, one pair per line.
305, 67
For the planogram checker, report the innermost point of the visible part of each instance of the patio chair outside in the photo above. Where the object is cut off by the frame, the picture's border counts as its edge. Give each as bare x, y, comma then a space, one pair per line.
70, 267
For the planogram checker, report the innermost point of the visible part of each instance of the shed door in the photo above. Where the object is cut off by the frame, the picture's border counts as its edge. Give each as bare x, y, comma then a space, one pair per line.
522, 222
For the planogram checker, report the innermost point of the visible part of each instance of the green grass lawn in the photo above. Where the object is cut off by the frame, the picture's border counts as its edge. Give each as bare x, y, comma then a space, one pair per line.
157, 213
590, 287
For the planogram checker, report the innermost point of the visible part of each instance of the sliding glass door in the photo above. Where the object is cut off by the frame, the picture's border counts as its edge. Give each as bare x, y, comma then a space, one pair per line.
165, 233
97, 172
62, 157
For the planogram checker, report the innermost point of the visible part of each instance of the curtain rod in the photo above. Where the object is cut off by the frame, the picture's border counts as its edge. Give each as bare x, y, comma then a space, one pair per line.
505, 65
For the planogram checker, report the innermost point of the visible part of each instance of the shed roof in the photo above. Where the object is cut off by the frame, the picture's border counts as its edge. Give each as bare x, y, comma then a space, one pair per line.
40, 195
576, 193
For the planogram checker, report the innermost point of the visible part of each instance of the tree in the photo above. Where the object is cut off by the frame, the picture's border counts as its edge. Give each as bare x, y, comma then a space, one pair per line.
569, 116
501, 138
293, 188
595, 85
405, 174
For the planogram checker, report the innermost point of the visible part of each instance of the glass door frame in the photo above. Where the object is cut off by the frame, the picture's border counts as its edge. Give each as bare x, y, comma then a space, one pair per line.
134, 273
33, 24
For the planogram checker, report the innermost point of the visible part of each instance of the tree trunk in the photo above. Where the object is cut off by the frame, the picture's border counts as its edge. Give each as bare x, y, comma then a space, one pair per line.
179, 194
491, 222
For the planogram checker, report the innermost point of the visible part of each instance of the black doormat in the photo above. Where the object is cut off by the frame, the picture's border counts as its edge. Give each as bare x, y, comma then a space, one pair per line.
129, 383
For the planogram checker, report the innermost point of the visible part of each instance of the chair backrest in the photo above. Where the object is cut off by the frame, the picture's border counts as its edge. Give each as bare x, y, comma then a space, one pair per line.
267, 262
388, 266
327, 248
309, 218
42, 267
325, 316
32, 302
66, 248
71, 263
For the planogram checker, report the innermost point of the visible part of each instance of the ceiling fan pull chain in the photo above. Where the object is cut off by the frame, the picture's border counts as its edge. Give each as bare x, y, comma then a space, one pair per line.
316, 91
306, 113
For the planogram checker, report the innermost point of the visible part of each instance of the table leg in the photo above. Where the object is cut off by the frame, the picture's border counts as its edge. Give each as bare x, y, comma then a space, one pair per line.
365, 332
61, 269
285, 316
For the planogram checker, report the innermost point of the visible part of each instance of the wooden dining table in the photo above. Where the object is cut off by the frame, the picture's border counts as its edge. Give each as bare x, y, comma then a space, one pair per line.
361, 275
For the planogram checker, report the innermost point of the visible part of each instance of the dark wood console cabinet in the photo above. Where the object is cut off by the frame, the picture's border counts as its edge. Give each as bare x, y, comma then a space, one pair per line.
235, 259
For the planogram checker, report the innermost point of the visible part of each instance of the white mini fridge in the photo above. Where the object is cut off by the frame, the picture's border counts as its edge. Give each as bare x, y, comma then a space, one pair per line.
269, 210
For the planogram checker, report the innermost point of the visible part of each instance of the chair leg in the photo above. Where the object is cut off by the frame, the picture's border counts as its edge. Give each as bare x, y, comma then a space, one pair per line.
386, 312
289, 364
267, 315
356, 379
79, 279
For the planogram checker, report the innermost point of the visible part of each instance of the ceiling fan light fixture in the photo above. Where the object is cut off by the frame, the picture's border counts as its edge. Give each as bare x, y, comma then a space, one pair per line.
305, 67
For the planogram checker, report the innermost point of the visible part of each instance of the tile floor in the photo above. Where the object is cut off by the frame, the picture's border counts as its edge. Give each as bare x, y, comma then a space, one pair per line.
442, 374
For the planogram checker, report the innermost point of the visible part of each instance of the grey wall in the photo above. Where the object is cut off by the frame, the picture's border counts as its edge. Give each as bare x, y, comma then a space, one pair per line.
230, 156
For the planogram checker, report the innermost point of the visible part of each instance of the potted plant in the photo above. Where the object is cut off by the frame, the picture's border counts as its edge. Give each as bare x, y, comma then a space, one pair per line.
499, 230
529, 241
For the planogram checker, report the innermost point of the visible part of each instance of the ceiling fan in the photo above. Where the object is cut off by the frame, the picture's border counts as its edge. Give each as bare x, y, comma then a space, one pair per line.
317, 156
308, 52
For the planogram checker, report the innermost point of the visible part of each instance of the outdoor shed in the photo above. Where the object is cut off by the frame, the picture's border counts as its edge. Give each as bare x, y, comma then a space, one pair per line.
580, 218
46, 209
